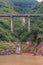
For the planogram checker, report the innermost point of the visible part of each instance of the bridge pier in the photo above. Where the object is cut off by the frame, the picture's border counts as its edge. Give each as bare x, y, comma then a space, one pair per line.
11, 24
28, 24
23, 21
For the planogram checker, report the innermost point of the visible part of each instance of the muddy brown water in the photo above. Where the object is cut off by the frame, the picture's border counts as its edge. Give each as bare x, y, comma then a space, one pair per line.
24, 59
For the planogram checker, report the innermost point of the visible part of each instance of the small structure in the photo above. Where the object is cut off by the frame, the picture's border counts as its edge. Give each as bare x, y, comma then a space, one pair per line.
18, 49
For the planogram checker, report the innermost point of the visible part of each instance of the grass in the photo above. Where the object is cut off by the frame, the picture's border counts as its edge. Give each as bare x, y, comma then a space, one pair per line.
4, 45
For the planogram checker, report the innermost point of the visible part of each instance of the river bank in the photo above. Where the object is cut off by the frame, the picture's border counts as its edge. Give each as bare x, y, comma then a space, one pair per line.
9, 48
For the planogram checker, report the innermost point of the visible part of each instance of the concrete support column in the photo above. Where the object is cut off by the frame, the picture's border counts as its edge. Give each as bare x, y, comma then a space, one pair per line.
28, 24
23, 21
11, 24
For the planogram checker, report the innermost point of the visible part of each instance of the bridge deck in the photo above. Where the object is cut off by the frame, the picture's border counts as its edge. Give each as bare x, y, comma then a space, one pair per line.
20, 15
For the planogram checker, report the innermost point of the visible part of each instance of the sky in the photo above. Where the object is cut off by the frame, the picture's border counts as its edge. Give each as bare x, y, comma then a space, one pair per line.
39, 0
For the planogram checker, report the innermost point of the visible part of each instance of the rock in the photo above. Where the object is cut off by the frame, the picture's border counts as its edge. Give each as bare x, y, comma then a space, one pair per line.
7, 51
38, 49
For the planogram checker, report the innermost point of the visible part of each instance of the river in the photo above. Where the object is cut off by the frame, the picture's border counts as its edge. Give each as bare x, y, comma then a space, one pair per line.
24, 59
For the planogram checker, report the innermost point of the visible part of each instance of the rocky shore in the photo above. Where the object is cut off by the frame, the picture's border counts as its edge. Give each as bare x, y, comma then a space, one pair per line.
7, 51
26, 48
38, 50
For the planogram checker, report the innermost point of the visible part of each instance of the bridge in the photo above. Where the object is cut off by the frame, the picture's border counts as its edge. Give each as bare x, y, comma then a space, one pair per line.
22, 17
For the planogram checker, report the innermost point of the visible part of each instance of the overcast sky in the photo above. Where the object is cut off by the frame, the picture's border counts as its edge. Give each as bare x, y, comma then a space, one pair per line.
39, 0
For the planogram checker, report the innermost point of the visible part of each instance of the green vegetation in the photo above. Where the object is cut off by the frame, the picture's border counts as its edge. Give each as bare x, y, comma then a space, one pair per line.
5, 33
37, 22
22, 6
6, 45
20, 33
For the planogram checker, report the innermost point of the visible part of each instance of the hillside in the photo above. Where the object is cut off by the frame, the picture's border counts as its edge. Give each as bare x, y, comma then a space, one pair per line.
36, 33
37, 22
20, 33
5, 33
22, 6
37, 9
6, 7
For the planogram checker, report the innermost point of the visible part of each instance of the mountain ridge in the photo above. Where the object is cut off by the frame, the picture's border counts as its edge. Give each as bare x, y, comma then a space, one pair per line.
22, 6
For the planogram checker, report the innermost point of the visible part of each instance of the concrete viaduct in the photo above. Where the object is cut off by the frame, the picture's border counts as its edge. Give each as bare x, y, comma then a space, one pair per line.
23, 18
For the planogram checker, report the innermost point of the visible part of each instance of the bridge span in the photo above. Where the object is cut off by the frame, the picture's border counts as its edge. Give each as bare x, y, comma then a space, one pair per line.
22, 17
